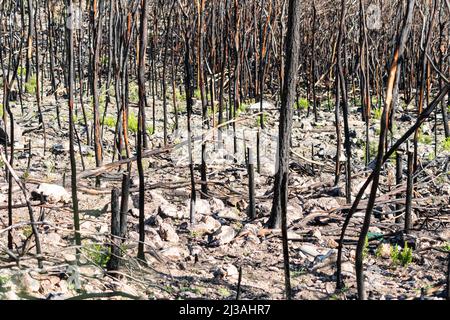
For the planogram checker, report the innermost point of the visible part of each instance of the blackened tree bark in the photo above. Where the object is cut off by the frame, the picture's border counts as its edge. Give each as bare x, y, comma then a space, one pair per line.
73, 163
287, 100
141, 84
392, 84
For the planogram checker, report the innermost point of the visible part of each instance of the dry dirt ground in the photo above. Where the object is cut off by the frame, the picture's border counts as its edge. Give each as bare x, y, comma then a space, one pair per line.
202, 260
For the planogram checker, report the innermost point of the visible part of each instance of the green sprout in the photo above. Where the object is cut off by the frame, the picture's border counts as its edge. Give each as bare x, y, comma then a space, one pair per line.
30, 86
132, 123
98, 253
446, 144
401, 257
377, 113
302, 103
109, 121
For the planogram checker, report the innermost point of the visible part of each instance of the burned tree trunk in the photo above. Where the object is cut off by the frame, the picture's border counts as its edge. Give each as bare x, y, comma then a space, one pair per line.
287, 100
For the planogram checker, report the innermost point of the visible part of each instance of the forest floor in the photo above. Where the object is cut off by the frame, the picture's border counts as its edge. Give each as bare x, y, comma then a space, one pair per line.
202, 260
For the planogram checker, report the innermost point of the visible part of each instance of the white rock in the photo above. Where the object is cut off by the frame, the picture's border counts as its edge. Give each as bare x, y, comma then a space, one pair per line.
222, 236
229, 213
257, 106
175, 253
171, 211
202, 206
153, 237
51, 193
207, 224
217, 205
168, 233
445, 235
227, 271
348, 269
309, 250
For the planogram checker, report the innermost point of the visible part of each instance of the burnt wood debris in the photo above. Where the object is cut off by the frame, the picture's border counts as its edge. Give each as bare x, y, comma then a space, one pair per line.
225, 149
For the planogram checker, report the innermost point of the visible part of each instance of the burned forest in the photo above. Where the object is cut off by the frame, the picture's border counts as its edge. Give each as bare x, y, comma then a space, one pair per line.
225, 149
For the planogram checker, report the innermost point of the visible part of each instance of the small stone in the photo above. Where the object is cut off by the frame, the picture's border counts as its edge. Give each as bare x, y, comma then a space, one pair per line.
222, 236
206, 225
202, 206
445, 235
217, 205
331, 243
309, 250
170, 211
168, 233
252, 239
230, 214
175, 253
348, 269
249, 228
317, 234
70, 258
153, 237
226, 271
324, 203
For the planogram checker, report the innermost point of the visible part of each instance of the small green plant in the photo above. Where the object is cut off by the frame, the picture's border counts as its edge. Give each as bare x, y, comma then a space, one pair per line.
132, 123
133, 92
191, 289
377, 113
30, 86
401, 257
180, 96
373, 149
302, 103
431, 156
375, 101
446, 144
366, 248
98, 253
243, 107
298, 272
21, 71
197, 94
4, 280
150, 130
1, 110
264, 119
446, 247
27, 231
378, 251
195, 234
425, 138
109, 121
224, 292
